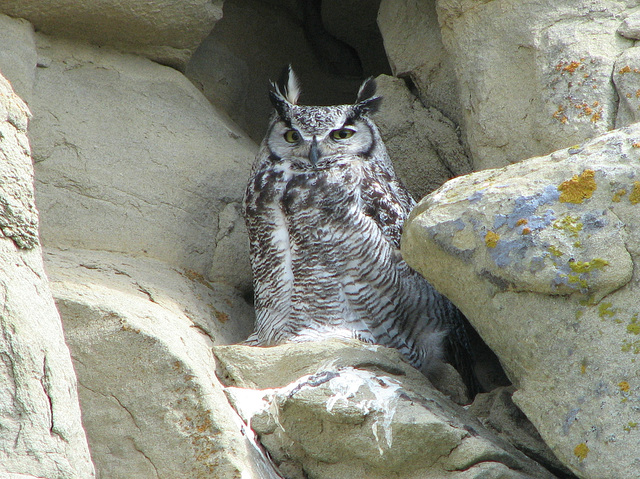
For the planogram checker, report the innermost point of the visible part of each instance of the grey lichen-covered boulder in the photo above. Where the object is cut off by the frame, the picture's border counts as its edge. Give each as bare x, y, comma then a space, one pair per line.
345, 409
542, 258
166, 31
40, 430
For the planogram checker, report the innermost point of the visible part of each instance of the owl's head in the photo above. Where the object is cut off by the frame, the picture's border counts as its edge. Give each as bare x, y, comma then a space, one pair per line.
317, 136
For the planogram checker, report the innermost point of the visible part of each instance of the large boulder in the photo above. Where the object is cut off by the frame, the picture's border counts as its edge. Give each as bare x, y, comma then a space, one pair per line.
166, 31
40, 430
131, 158
542, 257
350, 410
534, 76
140, 333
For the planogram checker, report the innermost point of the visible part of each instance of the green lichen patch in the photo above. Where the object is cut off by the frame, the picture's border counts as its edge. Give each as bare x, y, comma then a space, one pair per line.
554, 251
605, 311
577, 280
578, 188
570, 225
631, 346
630, 425
634, 326
587, 266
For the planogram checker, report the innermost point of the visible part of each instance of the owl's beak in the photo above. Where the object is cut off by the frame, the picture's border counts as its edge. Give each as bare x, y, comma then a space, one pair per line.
314, 153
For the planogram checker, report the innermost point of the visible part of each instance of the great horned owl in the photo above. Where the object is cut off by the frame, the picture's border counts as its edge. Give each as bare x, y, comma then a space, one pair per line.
324, 211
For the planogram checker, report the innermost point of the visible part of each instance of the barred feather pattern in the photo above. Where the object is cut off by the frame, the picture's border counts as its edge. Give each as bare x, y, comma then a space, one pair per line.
325, 241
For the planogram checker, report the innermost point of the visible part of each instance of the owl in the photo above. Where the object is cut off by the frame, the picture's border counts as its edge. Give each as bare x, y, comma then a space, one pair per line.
324, 211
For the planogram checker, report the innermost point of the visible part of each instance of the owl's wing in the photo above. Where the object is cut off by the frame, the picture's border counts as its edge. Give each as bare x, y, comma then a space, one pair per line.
388, 203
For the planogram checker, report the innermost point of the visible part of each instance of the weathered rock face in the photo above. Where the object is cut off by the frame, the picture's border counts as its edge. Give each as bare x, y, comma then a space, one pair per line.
131, 158
422, 141
542, 258
40, 430
531, 87
165, 31
413, 44
141, 335
255, 39
361, 413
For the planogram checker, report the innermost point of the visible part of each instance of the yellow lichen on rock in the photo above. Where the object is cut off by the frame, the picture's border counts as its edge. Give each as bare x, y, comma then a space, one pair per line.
491, 239
581, 451
578, 188
634, 197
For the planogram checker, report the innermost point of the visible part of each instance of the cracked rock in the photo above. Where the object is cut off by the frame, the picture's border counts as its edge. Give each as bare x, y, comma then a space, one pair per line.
542, 257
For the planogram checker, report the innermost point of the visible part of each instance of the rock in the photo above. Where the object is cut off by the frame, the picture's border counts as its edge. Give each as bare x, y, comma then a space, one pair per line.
42, 434
422, 143
531, 87
547, 250
497, 412
346, 409
140, 335
413, 43
131, 158
18, 55
626, 78
253, 42
165, 31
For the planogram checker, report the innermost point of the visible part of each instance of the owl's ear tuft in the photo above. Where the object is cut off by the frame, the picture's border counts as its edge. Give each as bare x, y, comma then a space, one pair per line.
288, 85
367, 101
285, 92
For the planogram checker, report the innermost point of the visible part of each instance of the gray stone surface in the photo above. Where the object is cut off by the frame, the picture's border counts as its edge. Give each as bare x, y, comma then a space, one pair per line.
529, 87
167, 31
140, 333
541, 257
131, 158
40, 430
350, 410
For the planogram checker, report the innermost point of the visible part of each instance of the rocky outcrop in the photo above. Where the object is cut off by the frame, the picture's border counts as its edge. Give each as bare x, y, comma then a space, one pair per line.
363, 412
131, 158
41, 433
165, 31
542, 258
531, 87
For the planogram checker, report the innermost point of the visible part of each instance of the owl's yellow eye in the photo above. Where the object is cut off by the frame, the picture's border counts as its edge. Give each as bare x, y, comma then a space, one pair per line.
342, 134
292, 136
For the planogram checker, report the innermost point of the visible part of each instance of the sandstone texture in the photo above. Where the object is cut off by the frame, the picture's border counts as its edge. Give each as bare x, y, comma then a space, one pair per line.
529, 87
542, 258
115, 172
41, 433
334, 409
167, 31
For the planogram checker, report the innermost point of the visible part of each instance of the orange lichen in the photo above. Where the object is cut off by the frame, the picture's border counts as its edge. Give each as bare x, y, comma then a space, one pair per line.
625, 69
624, 386
571, 67
579, 188
526, 231
491, 239
521, 221
636, 144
